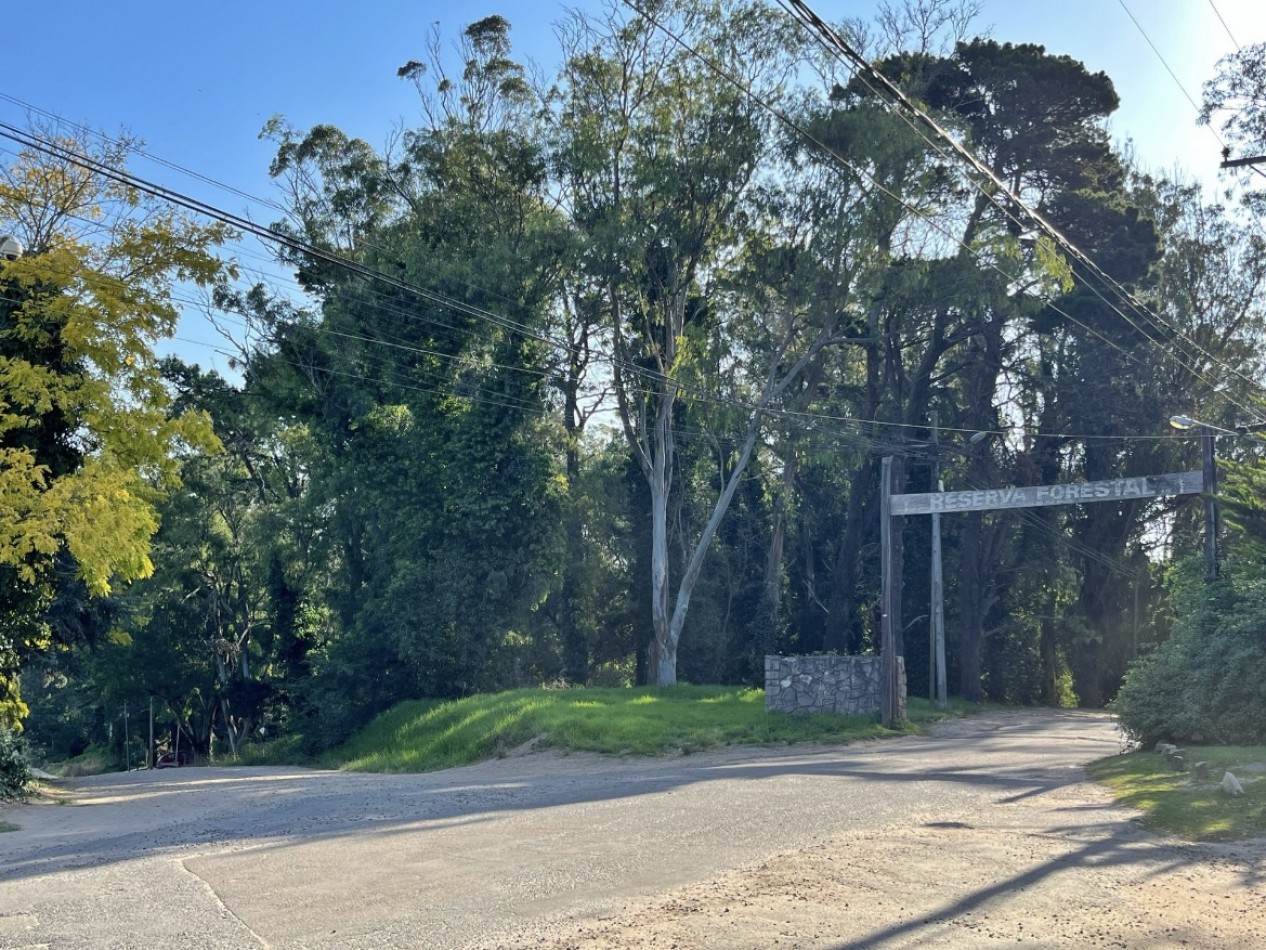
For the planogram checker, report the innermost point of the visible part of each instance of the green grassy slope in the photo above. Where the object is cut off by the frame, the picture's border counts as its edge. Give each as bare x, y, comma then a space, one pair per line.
424, 735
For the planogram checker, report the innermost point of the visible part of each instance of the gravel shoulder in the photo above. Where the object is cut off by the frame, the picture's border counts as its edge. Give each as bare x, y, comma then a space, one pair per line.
1063, 869
985, 832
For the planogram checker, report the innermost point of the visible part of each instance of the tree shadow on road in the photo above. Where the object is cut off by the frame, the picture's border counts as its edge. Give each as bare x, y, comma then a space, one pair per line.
143, 814
1113, 844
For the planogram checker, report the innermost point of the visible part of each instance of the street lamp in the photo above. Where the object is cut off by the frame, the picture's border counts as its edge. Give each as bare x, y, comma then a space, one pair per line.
1211, 481
1186, 422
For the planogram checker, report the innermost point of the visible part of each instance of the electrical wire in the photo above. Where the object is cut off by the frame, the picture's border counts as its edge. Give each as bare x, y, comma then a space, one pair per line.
697, 436
28, 140
269, 203
284, 239
1222, 20
937, 226
1183, 89
1172, 75
325, 329
801, 12
274, 237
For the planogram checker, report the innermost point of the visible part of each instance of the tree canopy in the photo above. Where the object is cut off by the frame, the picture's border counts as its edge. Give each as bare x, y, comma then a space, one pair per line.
592, 372
86, 446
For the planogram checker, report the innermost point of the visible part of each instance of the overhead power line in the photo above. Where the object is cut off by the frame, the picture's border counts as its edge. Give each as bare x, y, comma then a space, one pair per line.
864, 69
483, 396
1222, 20
871, 180
1226, 148
274, 236
1172, 75
281, 238
866, 176
271, 204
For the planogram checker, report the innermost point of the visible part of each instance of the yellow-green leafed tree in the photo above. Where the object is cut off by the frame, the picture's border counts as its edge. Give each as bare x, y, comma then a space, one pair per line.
87, 444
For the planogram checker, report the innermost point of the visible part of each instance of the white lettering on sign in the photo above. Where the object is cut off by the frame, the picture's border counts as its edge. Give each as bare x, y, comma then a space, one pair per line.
1179, 483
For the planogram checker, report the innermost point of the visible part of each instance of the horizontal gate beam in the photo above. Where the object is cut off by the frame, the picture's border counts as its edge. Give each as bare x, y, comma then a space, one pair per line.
1037, 496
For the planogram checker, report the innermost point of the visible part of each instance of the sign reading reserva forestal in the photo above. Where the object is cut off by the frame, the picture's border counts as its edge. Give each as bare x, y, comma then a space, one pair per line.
1036, 496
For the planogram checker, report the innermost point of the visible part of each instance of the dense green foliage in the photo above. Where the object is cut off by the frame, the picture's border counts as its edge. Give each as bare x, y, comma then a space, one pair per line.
590, 382
87, 444
15, 770
1207, 682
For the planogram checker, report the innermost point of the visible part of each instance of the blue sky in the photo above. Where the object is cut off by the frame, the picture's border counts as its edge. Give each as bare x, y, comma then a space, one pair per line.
198, 81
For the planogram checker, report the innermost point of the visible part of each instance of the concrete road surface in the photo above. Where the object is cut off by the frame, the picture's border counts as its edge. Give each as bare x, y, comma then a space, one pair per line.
498, 854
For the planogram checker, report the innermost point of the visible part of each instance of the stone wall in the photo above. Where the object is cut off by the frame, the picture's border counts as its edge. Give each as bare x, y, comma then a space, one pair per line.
801, 685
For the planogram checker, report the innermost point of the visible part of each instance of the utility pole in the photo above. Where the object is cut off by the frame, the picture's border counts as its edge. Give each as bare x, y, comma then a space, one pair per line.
1209, 474
936, 659
936, 543
1242, 162
1210, 468
1138, 583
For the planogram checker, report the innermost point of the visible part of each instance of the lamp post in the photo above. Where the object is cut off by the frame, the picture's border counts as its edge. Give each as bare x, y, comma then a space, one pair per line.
1207, 429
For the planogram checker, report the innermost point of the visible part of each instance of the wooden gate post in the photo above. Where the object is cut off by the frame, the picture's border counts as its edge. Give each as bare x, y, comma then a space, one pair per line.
889, 702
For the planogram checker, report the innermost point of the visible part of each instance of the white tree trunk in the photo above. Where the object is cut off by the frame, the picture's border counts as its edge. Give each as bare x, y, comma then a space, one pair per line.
662, 655
662, 660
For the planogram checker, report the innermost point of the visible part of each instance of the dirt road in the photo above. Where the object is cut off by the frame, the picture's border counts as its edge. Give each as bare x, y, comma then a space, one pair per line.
982, 834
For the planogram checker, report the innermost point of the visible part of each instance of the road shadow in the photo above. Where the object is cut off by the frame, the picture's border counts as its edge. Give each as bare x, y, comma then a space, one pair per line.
1115, 844
201, 808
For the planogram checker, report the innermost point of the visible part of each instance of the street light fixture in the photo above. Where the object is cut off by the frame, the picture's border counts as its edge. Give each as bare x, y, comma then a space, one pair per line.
1186, 422
1211, 481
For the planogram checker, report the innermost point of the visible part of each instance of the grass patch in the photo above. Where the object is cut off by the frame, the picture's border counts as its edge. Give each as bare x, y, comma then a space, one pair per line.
284, 750
94, 761
1180, 804
425, 735
8, 826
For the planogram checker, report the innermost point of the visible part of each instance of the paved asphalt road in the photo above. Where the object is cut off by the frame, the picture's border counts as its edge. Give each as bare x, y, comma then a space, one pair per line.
494, 853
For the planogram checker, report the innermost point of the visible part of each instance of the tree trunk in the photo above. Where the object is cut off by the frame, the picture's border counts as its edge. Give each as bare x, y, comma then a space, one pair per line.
971, 602
224, 704
1050, 656
662, 668
843, 633
662, 660
661, 663
575, 643
771, 597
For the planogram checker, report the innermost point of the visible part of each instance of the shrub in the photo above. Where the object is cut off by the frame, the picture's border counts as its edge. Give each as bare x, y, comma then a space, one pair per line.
15, 772
1207, 683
